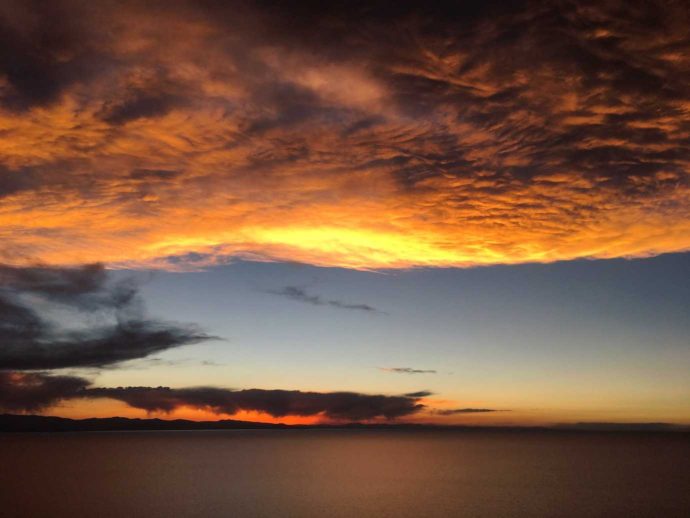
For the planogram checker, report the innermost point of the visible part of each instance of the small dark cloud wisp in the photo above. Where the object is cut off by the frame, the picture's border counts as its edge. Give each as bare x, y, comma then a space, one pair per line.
300, 295
419, 394
407, 370
455, 411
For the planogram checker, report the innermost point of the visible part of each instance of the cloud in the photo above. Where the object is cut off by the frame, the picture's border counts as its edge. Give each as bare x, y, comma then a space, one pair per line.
359, 135
32, 391
419, 394
407, 370
35, 391
44, 50
300, 295
455, 411
350, 406
140, 105
112, 327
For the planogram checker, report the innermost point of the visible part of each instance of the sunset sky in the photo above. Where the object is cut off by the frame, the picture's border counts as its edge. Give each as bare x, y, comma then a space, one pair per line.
346, 211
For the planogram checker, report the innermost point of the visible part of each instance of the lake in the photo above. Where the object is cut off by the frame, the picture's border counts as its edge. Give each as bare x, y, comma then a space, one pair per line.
334, 473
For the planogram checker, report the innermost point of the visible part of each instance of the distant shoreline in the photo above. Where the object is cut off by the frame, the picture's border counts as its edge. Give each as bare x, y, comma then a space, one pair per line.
13, 423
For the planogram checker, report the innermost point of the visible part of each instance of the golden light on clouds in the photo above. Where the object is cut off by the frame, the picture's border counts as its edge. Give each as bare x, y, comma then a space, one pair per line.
369, 150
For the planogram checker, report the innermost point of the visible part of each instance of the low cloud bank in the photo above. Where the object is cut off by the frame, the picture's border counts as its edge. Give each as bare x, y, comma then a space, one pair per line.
36, 391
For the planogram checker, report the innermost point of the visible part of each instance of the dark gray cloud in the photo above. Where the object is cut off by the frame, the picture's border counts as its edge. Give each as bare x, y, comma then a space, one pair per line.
70, 285
30, 340
407, 370
45, 49
301, 295
96, 347
22, 391
139, 106
12, 182
34, 391
349, 406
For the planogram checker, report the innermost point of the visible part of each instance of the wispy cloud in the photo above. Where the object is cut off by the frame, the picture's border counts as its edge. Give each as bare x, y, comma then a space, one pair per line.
420, 394
300, 295
455, 411
407, 370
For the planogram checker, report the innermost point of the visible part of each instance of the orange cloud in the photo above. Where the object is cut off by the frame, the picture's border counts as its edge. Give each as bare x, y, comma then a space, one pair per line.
363, 147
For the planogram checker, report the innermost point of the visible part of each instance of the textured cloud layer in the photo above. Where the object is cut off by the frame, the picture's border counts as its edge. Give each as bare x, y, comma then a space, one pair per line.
179, 134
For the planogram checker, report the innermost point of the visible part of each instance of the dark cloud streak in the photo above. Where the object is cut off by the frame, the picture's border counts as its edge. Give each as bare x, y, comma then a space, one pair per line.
407, 370
300, 295
419, 394
456, 411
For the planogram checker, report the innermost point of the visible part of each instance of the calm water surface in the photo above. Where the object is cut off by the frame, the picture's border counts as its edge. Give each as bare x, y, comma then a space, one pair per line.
344, 474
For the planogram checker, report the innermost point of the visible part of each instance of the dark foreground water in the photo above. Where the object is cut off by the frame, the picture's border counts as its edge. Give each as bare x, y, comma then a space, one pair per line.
344, 474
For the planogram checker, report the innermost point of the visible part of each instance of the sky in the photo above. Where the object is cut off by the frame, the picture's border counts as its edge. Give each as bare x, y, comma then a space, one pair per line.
475, 213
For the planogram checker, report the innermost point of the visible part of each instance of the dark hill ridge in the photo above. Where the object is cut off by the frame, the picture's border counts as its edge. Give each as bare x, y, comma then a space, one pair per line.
38, 423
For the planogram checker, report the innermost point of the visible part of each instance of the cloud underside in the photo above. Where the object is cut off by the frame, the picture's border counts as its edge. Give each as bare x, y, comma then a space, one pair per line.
37, 391
357, 135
